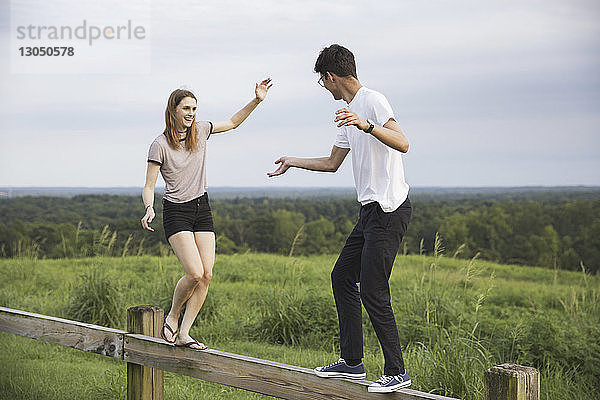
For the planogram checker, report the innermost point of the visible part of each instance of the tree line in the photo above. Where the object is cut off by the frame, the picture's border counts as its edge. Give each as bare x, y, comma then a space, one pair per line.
554, 231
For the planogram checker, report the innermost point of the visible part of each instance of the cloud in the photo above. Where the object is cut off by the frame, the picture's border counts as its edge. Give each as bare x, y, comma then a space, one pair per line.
463, 77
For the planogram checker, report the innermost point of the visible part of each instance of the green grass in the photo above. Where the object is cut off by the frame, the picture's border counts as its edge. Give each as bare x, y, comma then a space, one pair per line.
456, 318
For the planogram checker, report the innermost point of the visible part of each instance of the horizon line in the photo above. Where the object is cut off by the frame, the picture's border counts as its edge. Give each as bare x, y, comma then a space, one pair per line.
307, 187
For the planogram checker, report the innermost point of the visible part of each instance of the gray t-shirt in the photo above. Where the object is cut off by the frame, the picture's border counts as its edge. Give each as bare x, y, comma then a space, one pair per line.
183, 171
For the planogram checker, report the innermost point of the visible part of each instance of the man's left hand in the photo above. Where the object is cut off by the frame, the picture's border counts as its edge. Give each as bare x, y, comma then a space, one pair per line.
345, 117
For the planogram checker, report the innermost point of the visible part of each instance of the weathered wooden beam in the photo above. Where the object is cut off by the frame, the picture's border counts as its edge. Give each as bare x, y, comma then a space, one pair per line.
78, 335
249, 373
512, 382
261, 376
144, 383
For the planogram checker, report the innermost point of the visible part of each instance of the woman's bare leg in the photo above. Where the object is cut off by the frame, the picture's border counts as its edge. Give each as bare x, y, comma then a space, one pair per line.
205, 242
186, 250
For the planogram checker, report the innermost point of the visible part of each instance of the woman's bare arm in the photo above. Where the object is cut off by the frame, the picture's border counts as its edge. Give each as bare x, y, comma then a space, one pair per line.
261, 92
148, 194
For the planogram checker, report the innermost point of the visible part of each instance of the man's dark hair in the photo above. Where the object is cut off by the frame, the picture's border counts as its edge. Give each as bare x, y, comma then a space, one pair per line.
336, 59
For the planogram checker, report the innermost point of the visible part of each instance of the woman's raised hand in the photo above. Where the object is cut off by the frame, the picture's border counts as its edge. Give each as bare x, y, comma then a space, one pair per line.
262, 89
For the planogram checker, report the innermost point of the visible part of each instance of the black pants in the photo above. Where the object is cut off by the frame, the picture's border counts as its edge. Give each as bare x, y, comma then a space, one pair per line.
367, 257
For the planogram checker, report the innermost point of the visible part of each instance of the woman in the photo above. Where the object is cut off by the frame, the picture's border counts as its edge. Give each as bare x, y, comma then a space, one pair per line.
179, 153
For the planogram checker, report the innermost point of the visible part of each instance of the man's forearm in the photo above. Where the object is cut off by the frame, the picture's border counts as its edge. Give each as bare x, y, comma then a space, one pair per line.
323, 164
389, 134
394, 139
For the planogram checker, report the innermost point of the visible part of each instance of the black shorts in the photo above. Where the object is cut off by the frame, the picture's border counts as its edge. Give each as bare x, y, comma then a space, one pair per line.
193, 216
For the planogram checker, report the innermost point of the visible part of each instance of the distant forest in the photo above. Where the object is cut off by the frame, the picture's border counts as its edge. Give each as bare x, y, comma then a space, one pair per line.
548, 228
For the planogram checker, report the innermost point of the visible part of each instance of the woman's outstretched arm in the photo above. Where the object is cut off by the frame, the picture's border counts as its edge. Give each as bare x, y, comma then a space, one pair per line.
148, 194
239, 117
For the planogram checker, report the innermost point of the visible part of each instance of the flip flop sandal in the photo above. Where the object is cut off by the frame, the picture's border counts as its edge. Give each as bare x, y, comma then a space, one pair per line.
164, 336
192, 343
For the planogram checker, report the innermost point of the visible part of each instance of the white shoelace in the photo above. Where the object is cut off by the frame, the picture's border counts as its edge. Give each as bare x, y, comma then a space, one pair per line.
384, 380
341, 360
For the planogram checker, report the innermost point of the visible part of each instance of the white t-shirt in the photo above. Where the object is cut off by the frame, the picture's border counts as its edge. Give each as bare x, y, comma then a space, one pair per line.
378, 169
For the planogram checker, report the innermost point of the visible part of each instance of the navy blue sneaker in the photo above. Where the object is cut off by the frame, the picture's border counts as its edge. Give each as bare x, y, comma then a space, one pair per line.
388, 384
340, 369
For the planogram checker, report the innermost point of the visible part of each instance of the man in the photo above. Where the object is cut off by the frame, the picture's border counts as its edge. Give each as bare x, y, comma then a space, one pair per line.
368, 128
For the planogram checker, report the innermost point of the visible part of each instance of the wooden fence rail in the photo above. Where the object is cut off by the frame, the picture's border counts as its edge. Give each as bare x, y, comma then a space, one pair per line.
248, 373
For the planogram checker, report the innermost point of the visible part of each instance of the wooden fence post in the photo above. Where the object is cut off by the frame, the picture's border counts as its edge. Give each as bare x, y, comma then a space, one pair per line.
512, 382
144, 383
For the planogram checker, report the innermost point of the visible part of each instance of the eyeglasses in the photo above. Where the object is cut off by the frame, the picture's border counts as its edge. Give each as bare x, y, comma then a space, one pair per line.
320, 81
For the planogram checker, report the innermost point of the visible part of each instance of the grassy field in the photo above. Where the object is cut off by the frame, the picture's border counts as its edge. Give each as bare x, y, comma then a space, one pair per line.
456, 318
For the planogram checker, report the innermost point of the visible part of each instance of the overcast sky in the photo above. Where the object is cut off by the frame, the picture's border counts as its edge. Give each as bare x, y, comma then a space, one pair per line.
488, 93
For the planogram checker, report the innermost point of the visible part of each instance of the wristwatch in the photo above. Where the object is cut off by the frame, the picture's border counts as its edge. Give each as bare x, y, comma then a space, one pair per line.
371, 126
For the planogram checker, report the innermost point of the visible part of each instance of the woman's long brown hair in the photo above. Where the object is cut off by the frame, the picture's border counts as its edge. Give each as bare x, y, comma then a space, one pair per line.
170, 126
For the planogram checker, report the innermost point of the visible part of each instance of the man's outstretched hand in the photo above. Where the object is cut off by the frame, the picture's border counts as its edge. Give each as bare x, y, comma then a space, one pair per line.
284, 165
